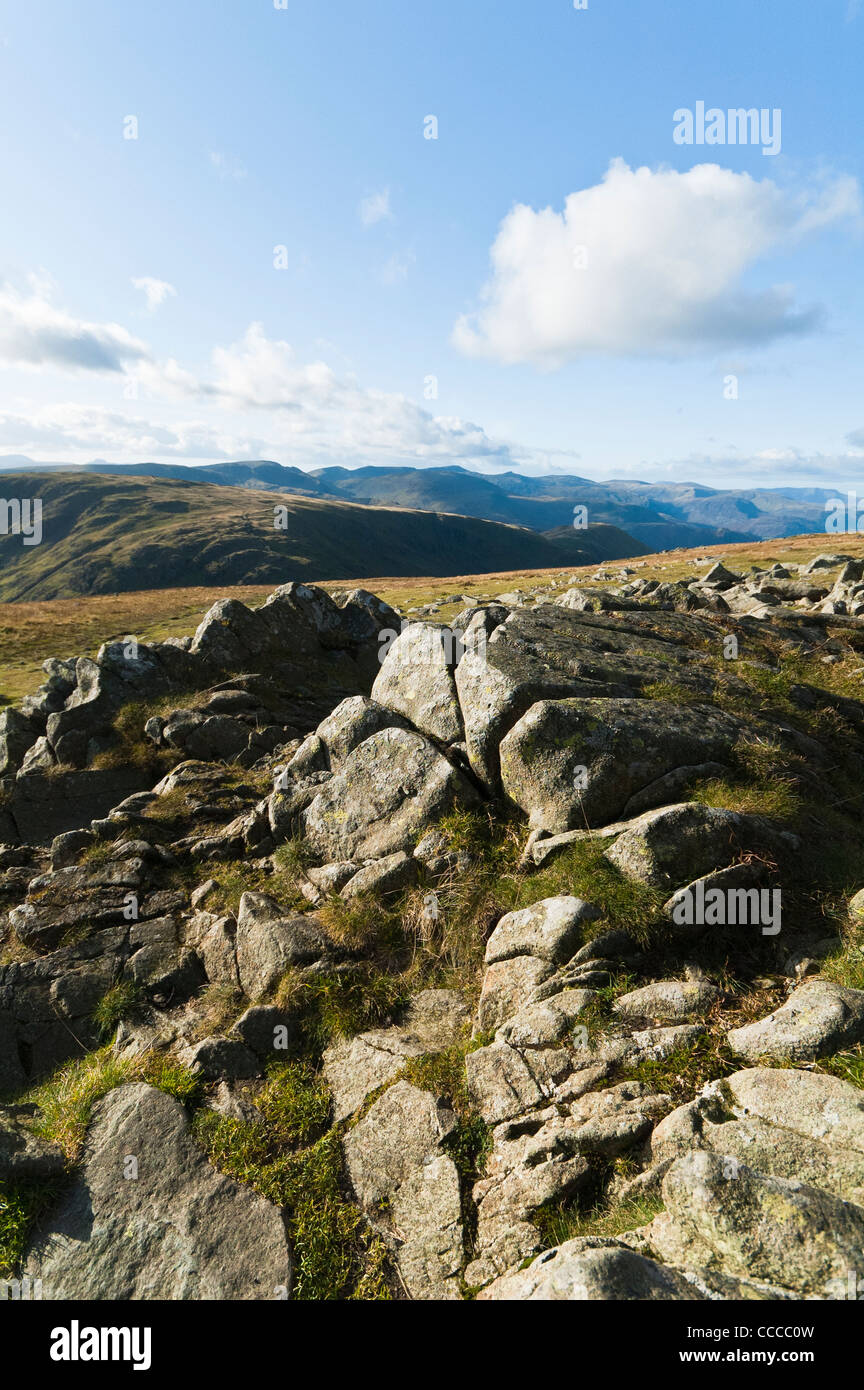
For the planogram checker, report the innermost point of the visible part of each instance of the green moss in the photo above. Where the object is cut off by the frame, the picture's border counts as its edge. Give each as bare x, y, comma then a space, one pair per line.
22, 1205
341, 1004
559, 1223
121, 1001
66, 1100
335, 1254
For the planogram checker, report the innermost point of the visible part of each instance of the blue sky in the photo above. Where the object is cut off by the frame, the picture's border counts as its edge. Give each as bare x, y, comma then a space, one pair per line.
142, 315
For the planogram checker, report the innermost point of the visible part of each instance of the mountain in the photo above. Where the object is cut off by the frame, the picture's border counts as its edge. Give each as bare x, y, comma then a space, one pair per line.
110, 534
662, 516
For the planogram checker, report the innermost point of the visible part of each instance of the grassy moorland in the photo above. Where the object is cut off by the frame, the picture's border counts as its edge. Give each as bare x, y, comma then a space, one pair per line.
33, 630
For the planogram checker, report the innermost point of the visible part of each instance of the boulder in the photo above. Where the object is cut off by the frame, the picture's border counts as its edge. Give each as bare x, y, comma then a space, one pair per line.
269, 942
416, 681
720, 1214
389, 790
171, 1228
818, 1018
400, 1133
674, 845
575, 763
550, 929
593, 1270
671, 1001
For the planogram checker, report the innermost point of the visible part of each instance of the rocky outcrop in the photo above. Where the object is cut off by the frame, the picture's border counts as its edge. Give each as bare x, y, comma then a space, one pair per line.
149, 1218
316, 887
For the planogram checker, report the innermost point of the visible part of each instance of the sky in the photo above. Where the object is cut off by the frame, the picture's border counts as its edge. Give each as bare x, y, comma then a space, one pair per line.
470, 232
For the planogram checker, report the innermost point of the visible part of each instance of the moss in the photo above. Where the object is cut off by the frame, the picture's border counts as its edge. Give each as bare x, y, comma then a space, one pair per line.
442, 1073
22, 1205
335, 1254
66, 1100
583, 870
560, 1222
675, 693
122, 1000
340, 1004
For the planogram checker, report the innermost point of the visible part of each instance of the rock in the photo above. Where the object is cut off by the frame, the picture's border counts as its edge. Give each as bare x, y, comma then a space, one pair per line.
550, 929
546, 1022
826, 562
23, 1154
723, 1215
416, 681
353, 1069
576, 763
721, 577
782, 1122
66, 849
383, 876
216, 1058
507, 985
435, 1020
501, 1082
268, 942
427, 1211
399, 1134
267, 1031
17, 735
677, 844
818, 1019
390, 788
350, 724
671, 1001
179, 1230
593, 1270
856, 904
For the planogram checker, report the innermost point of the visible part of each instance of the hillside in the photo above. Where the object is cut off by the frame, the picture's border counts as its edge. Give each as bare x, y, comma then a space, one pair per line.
660, 515
524, 966
106, 534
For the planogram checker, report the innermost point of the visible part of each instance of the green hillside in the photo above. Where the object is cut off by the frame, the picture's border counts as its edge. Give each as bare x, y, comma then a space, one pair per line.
105, 534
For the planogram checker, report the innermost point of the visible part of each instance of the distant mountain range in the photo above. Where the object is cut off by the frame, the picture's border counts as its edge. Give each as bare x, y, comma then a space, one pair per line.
109, 534
661, 516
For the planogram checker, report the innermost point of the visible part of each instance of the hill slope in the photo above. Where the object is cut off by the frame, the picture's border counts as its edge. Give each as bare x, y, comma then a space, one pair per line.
105, 534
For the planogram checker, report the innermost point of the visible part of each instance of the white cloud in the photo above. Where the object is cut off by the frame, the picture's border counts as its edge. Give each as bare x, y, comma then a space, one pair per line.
156, 291
35, 333
396, 269
646, 262
375, 208
72, 429
226, 166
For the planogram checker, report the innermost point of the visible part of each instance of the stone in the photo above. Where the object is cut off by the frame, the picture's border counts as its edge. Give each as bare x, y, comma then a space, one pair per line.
350, 724
416, 681
575, 763
550, 929
180, 1231
402, 1130
819, 1018
427, 1212
269, 942
671, 1001
23, 1154
267, 1031
674, 845
507, 985
721, 1214
390, 788
592, 1270
501, 1082
389, 875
